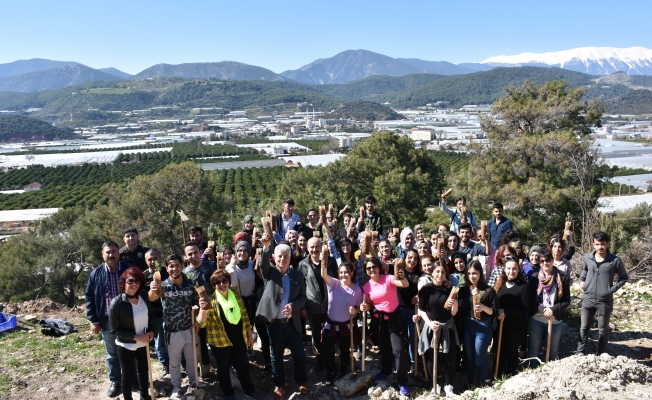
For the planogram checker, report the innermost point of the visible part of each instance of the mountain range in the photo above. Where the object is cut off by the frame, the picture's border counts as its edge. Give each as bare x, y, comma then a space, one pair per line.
39, 74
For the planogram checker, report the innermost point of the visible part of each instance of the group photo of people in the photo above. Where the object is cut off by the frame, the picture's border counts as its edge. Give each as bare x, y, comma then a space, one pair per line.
449, 307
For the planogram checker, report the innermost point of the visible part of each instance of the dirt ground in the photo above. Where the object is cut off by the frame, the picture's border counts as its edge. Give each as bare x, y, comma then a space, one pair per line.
33, 365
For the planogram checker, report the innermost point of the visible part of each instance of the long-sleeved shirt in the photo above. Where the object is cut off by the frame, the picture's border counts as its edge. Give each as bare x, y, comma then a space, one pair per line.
455, 217
598, 277
496, 230
515, 300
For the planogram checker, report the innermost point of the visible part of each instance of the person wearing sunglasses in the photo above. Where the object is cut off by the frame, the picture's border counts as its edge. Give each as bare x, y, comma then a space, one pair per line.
229, 333
550, 291
391, 332
133, 323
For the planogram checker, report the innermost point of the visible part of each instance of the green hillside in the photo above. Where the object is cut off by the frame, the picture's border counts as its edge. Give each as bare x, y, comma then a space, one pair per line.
20, 128
363, 110
634, 102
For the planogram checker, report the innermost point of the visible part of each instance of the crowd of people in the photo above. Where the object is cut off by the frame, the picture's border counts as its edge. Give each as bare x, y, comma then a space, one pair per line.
419, 296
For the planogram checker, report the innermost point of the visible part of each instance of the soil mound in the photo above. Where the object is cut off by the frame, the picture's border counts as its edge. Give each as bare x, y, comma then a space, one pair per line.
37, 307
576, 377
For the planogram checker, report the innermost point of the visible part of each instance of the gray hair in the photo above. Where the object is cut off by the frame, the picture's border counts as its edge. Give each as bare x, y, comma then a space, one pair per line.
282, 248
154, 252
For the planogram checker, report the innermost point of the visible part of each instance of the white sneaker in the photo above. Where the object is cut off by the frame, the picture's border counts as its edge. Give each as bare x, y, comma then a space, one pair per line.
176, 394
436, 391
449, 391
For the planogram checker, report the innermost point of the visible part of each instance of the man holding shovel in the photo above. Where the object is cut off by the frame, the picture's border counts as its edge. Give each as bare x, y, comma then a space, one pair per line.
179, 298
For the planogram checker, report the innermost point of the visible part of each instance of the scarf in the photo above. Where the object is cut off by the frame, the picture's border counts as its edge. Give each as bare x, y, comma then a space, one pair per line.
445, 338
230, 307
404, 233
546, 283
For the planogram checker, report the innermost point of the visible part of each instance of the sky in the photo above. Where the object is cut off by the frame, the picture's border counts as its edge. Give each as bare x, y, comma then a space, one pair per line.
281, 35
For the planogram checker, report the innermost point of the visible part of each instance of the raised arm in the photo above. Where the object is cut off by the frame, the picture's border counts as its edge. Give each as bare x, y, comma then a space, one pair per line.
264, 257
324, 265
400, 280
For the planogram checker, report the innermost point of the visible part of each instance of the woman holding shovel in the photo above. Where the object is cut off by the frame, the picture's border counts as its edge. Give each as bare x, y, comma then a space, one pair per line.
551, 296
437, 306
133, 322
479, 305
391, 332
228, 333
513, 305
344, 298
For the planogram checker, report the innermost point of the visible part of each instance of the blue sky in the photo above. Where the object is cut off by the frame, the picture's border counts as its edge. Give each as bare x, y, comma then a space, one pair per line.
133, 35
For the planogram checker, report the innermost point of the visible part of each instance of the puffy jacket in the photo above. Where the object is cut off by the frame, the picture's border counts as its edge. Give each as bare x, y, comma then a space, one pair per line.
121, 318
598, 277
561, 304
315, 303
96, 294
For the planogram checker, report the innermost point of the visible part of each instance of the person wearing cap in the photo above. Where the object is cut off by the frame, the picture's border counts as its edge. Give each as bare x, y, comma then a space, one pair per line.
534, 255
243, 277
198, 272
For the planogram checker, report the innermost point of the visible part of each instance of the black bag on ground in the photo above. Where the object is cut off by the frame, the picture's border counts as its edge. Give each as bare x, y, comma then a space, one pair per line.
56, 327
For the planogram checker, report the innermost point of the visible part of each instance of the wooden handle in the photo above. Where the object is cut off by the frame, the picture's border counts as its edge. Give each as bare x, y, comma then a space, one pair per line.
149, 371
351, 232
500, 340
446, 193
549, 336
322, 215
364, 331
351, 345
324, 256
267, 227
416, 343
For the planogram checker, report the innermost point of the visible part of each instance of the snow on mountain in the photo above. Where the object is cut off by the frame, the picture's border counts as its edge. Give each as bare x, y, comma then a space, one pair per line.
590, 60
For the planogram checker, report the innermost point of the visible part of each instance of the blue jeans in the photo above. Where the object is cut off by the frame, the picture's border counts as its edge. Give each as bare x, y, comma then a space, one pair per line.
284, 335
538, 331
477, 336
159, 342
408, 313
112, 361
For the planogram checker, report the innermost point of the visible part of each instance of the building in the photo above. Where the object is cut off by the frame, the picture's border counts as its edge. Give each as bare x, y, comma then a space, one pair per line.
34, 186
422, 134
16, 221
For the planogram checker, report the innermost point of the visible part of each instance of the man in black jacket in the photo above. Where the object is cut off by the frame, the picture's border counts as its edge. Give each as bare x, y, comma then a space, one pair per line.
101, 288
283, 298
316, 307
133, 253
596, 279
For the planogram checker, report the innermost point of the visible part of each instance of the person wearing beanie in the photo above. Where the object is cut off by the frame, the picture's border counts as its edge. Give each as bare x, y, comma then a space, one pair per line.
534, 257
243, 277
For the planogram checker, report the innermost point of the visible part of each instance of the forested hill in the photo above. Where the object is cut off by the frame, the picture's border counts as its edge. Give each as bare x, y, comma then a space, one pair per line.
362, 110
19, 128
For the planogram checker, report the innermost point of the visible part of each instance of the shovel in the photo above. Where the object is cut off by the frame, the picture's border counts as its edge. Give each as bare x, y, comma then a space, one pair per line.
351, 346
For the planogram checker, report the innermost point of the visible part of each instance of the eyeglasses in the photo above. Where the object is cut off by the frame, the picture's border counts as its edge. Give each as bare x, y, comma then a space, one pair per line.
371, 268
221, 282
510, 258
132, 282
546, 260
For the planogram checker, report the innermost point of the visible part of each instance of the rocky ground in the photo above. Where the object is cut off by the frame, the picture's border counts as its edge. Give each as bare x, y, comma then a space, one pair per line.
36, 366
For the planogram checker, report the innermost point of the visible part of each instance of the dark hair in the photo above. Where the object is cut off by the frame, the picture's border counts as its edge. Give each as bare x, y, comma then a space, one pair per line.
438, 264
305, 235
457, 199
188, 244
476, 265
452, 234
312, 209
131, 229
509, 236
501, 250
217, 275
110, 243
556, 238
134, 272
229, 248
339, 248
349, 267
498, 205
386, 241
545, 254
503, 275
195, 229
370, 199
444, 225
375, 262
347, 215
415, 253
173, 257
288, 200
601, 236
466, 225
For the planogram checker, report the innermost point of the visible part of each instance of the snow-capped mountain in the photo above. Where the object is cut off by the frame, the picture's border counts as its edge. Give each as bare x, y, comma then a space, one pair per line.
590, 60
